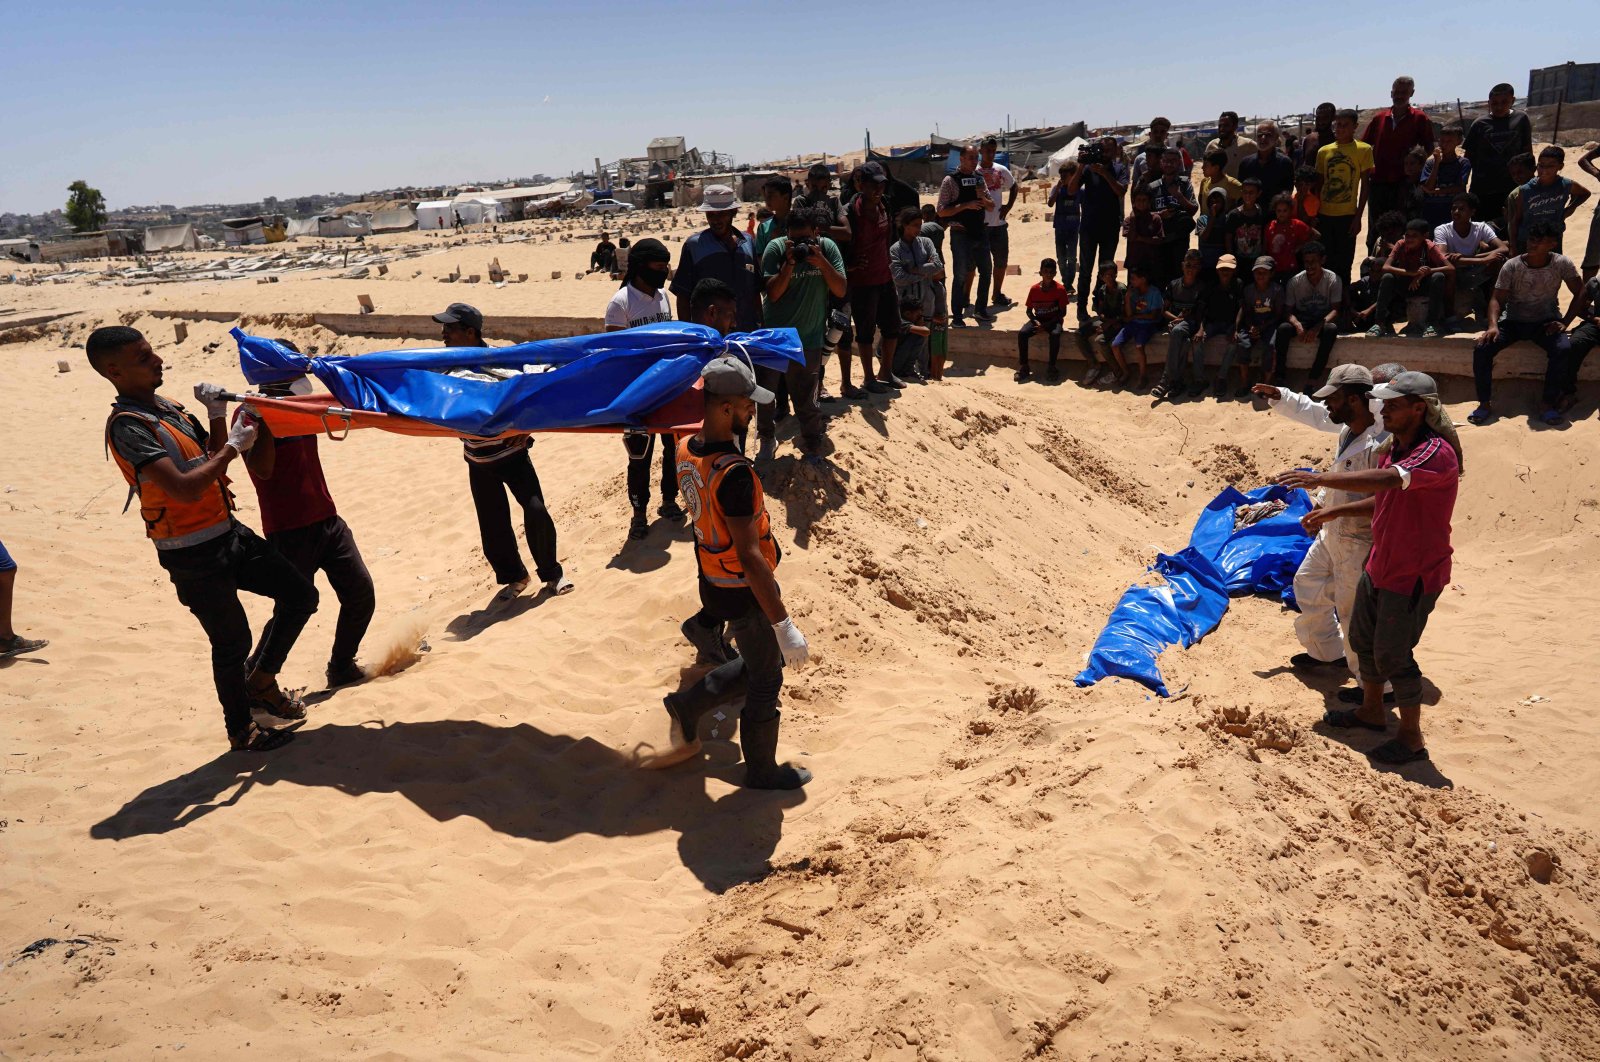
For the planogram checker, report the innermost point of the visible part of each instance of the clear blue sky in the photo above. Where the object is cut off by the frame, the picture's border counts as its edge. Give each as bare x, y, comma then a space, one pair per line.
184, 102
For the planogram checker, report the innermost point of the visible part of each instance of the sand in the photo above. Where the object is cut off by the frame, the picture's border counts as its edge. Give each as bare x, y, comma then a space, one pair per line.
457, 860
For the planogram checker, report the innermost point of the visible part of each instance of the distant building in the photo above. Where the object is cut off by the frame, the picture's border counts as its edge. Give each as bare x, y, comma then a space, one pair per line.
1580, 80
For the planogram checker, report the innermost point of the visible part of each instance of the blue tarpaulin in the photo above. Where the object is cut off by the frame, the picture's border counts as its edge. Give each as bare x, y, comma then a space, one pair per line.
612, 379
1219, 561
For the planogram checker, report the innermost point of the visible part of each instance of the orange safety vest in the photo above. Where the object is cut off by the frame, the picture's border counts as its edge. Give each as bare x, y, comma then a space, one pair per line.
170, 523
698, 480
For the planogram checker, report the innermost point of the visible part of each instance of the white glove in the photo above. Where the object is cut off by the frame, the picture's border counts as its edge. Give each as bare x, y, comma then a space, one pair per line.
242, 435
211, 394
792, 643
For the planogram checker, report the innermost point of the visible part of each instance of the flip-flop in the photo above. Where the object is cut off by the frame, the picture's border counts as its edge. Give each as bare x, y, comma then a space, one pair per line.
1480, 416
1397, 753
19, 645
1552, 417
1347, 719
265, 739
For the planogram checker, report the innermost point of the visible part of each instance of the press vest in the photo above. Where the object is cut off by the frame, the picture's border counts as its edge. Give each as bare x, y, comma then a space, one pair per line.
170, 523
967, 186
698, 480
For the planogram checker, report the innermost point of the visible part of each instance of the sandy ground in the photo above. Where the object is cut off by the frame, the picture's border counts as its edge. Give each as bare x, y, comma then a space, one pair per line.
457, 860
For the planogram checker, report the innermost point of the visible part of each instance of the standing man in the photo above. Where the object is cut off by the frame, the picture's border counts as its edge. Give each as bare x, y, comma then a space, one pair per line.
495, 466
1346, 169
1172, 197
874, 304
802, 269
963, 205
1320, 135
642, 300
177, 469
721, 251
1269, 164
12, 643
1325, 584
1228, 139
1147, 156
1103, 179
1392, 133
1001, 185
1492, 142
1413, 483
300, 521
738, 560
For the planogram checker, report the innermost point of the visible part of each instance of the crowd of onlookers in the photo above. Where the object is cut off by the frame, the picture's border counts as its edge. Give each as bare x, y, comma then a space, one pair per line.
1404, 225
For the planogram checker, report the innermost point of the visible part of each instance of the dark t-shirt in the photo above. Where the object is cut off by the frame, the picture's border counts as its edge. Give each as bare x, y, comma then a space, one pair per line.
1276, 174
1219, 305
1102, 206
296, 495
1490, 145
1246, 233
704, 255
736, 496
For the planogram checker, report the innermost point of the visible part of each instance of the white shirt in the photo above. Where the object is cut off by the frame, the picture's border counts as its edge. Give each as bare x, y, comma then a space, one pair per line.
1478, 234
999, 181
1357, 453
630, 308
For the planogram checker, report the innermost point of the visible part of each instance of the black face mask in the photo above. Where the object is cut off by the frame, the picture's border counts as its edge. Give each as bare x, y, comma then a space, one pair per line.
658, 277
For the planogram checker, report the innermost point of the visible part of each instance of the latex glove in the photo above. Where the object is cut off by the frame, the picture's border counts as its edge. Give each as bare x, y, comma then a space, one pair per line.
242, 435
211, 394
792, 643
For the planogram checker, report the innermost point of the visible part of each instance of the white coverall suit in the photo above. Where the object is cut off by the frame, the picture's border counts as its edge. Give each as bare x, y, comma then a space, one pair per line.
1325, 585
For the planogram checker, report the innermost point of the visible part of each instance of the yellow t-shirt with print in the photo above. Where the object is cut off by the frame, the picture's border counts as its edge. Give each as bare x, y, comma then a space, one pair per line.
1341, 167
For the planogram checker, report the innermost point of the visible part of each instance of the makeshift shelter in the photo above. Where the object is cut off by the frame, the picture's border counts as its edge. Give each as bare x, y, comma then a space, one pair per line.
345, 225
477, 210
263, 228
1031, 148
303, 227
22, 249
71, 248
171, 238
918, 166
402, 220
436, 214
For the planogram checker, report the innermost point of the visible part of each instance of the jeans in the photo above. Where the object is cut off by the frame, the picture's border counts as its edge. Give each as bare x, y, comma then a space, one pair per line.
1392, 289
970, 252
1341, 248
1088, 330
999, 237
1180, 337
1031, 329
1554, 346
802, 383
329, 546
1384, 629
1286, 334
641, 447
239, 561
489, 484
756, 674
1092, 242
1067, 255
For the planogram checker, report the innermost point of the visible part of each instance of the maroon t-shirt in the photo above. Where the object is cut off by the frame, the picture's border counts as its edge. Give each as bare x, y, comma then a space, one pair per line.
869, 244
1411, 527
1393, 138
297, 494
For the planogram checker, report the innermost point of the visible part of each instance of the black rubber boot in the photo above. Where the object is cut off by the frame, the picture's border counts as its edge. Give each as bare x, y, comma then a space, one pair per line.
687, 722
759, 742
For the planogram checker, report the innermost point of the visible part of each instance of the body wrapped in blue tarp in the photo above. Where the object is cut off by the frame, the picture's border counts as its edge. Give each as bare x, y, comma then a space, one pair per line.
1258, 558
616, 378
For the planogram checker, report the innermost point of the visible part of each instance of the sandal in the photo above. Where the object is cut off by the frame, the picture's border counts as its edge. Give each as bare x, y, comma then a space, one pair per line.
273, 708
1481, 416
16, 645
1552, 418
1159, 392
1397, 753
1347, 719
559, 585
261, 739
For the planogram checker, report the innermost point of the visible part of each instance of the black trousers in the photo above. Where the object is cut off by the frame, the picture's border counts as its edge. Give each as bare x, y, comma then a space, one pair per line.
1326, 334
641, 447
1341, 248
756, 674
1033, 328
1393, 289
802, 384
490, 482
1094, 241
329, 546
242, 560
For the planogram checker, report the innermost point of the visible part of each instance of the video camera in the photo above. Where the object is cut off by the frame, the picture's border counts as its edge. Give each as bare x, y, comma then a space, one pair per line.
1092, 154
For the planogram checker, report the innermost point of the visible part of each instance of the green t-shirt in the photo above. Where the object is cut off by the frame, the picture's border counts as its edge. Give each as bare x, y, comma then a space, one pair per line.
1341, 167
804, 306
768, 231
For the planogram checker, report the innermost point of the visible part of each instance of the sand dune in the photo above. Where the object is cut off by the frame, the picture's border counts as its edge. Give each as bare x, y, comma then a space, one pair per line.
458, 860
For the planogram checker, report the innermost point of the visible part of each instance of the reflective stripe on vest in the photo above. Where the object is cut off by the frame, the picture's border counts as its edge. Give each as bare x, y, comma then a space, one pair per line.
175, 524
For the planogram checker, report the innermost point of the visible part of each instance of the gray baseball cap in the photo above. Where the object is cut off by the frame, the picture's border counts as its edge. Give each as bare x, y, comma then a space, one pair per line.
1413, 384
733, 376
1347, 375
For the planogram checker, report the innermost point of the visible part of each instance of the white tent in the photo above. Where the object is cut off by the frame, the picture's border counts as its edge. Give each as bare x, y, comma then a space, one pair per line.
302, 227
400, 220
477, 210
171, 238
238, 235
1066, 151
436, 214
347, 225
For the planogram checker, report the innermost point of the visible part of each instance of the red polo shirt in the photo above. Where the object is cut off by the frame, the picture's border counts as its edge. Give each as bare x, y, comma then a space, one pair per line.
1392, 138
1411, 527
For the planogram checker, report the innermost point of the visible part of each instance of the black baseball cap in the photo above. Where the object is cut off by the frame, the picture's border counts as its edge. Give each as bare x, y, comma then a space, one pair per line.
462, 314
873, 171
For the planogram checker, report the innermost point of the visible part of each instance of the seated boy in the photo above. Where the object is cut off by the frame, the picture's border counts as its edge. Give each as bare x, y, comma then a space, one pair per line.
1416, 266
1047, 312
1143, 312
1108, 302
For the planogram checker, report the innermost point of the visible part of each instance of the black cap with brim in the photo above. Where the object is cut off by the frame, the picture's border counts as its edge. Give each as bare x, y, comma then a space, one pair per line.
462, 314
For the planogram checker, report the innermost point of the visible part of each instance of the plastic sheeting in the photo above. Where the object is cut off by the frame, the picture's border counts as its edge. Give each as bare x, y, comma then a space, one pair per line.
616, 378
171, 238
1197, 581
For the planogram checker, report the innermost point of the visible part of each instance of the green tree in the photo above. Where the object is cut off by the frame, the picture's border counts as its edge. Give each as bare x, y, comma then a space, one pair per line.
86, 207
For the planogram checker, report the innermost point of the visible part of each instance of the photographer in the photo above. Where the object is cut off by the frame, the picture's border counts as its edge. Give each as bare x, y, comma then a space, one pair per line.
1103, 177
800, 272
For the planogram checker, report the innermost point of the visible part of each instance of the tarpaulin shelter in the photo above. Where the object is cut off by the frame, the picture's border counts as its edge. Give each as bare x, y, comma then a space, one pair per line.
302, 227
1221, 559
400, 220
477, 210
638, 377
1032, 148
436, 214
268, 228
171, 238
345, 225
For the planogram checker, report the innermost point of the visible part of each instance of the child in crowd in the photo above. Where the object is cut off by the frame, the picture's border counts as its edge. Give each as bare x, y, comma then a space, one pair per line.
1143, 231
1047, 313
1219, 323
1307, 194
1412, 195
1260, 311
1285, 235
1521, 169
1246, 224
1143, 313
1548, 197
1416, 266
1363, 302
911, 356
1068, 220
1477, 252
1213, 231
1108, 302
1444, 176
1182, 314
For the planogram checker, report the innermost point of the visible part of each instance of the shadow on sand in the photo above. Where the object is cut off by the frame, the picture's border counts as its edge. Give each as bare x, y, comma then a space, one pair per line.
517, 780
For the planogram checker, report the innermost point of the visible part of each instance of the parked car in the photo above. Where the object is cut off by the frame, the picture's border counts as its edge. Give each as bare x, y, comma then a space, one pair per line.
608, 206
